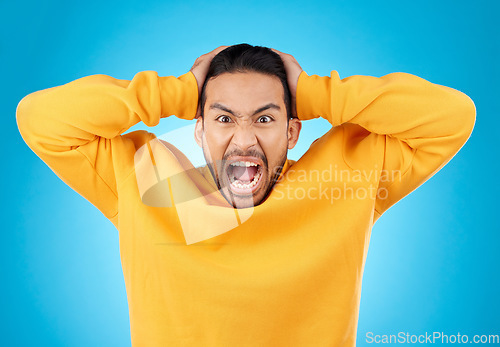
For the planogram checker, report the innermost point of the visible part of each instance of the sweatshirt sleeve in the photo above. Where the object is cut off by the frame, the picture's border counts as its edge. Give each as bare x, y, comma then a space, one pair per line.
419, 125
76, 128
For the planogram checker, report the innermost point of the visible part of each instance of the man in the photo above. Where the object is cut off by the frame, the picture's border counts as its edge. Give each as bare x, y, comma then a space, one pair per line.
256, 130
253, 249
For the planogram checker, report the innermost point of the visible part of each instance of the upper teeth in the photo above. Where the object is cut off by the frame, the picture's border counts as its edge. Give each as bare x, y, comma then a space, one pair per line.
243, 163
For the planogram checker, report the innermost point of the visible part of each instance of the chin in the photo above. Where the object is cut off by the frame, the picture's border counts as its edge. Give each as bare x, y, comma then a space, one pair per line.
243, 203
238, 200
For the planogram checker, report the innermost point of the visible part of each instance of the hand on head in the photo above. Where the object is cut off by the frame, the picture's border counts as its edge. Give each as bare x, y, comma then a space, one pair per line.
200, 69
293, 71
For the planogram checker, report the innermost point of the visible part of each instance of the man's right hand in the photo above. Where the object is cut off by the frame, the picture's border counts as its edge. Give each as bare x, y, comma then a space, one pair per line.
200, 69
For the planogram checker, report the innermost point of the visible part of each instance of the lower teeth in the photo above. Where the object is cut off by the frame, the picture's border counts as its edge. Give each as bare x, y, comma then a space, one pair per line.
239, 184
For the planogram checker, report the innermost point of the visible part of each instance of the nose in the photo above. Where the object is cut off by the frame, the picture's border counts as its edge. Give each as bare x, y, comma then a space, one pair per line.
244, 138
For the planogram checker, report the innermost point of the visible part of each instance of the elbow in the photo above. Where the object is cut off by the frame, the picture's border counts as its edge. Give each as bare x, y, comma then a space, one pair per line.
466, 117
23, 113
27, 118
458, 115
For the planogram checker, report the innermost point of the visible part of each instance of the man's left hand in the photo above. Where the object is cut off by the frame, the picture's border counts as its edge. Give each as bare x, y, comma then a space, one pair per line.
293, 71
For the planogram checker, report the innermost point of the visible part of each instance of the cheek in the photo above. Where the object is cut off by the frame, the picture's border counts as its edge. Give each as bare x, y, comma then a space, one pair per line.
217, 142
274, 144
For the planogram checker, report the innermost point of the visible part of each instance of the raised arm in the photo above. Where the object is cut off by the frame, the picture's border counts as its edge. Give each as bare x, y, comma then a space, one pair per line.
417, 126
76, 128
422, 125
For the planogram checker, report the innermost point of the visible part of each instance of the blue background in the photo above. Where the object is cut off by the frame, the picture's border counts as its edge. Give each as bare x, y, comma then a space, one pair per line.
433, 263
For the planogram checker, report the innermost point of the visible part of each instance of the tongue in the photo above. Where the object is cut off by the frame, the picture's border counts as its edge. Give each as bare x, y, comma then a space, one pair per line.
244, 173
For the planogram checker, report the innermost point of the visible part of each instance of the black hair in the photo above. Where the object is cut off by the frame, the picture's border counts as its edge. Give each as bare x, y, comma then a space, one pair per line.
248, 58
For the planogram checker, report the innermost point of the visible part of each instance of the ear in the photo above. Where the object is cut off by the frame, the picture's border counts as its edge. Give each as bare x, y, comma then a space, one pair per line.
294, 127
198, 131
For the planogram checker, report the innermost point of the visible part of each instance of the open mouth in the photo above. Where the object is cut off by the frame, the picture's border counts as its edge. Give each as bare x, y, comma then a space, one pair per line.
244, 176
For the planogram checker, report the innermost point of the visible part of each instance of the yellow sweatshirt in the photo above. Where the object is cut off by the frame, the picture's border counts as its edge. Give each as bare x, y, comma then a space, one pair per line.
285, 273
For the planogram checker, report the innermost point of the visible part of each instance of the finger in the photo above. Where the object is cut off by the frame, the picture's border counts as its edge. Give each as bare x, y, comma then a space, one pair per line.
284, 56
218, 50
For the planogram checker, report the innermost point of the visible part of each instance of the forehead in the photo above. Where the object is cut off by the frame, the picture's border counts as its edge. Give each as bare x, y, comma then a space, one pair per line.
244, 90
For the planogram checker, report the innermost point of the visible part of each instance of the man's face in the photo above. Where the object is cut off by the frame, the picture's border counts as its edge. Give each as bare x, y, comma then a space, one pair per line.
245, 134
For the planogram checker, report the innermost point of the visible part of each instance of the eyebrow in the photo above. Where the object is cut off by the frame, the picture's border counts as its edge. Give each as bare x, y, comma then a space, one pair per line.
259, 110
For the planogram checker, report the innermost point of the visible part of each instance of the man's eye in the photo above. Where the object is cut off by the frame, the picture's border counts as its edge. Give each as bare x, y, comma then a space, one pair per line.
264, 119
224, 119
